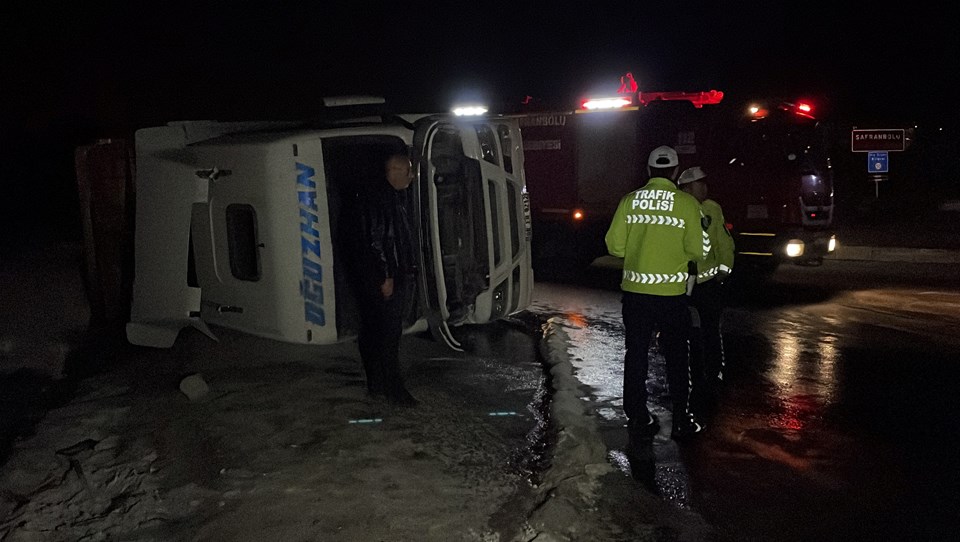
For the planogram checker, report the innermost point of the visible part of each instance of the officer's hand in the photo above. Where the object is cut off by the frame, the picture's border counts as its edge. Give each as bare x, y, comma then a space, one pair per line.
722, 276
387, 288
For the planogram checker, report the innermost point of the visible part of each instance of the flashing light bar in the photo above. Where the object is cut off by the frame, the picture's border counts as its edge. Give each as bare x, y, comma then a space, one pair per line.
469, 110
594, 104
698, 99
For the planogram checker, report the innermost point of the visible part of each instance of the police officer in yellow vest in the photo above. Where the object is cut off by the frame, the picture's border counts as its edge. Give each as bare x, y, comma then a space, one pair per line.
657, 231
706, 338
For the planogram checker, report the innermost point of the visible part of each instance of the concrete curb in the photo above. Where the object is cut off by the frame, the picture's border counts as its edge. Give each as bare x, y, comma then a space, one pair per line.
895, 254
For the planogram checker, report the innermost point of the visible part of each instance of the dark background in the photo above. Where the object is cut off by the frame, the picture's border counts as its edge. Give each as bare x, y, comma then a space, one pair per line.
73, 72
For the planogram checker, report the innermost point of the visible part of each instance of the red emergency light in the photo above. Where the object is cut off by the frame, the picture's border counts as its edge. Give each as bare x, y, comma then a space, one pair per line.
758, 112
801, 109
698, 99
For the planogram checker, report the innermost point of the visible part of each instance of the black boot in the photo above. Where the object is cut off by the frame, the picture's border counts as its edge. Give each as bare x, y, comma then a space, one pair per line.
375, 379
686, 426
398, 395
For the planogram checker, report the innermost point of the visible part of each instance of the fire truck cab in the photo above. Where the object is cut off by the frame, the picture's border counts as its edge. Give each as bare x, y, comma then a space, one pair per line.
238, 224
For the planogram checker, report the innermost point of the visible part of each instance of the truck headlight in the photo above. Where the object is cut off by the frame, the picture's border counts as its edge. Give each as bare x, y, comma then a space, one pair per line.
832, 243
499, 301
794, 248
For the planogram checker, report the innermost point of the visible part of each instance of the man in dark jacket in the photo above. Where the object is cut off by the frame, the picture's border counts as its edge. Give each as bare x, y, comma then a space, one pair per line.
385, 271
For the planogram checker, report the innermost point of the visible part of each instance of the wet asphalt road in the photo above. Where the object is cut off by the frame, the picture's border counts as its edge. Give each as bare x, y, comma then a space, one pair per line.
838, 421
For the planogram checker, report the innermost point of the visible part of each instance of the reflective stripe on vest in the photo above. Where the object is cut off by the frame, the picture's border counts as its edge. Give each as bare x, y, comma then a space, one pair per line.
712, 272
654, 278
656, 219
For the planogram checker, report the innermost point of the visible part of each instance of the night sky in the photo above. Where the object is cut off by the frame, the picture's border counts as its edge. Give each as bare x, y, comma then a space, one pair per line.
86, 70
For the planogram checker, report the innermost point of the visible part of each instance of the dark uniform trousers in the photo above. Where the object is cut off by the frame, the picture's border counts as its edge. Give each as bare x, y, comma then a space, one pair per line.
381, 326
642, 315
707, 342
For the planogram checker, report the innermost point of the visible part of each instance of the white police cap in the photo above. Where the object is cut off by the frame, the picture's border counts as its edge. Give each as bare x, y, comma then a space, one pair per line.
663, 157
690, 175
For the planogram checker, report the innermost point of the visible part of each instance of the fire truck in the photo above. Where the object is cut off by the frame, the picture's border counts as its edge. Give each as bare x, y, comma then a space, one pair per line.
768, 165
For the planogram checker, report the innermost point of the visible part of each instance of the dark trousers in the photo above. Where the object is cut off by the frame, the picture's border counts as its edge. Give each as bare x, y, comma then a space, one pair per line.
706, 340
381, 325
642, 314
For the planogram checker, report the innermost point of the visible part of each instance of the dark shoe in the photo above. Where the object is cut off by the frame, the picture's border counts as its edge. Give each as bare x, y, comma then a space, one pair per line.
646, 425
686, 428
400, 396
375, 390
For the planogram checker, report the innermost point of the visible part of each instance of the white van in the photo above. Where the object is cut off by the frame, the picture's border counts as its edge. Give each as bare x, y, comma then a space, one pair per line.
237, 225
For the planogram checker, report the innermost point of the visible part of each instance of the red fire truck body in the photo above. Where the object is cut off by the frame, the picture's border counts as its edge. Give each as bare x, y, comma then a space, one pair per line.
768, 167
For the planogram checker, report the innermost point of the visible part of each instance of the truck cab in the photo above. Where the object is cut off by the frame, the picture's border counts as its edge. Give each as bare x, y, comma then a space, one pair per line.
774, 177
243, 225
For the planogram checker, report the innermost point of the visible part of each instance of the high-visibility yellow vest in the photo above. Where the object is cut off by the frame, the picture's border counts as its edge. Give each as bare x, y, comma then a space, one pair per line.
657, 230
720, 257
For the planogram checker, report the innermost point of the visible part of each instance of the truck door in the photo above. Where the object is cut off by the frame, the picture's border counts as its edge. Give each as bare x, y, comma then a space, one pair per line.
474, 224
262, 243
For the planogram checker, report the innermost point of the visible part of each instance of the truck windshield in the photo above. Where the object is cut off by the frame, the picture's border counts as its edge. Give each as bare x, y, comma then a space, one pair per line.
771, 141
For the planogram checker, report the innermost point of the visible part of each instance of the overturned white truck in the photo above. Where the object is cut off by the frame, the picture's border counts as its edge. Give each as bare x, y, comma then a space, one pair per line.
237, 225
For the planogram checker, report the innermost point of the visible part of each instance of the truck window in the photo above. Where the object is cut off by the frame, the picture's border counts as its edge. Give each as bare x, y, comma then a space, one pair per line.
488, 144
495, 221
506, 146
242, 242
515, 288
353, 168
462, 220
514, 205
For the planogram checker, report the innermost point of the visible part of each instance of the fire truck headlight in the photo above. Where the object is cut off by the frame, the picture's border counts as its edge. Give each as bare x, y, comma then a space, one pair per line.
794, 248
832, 243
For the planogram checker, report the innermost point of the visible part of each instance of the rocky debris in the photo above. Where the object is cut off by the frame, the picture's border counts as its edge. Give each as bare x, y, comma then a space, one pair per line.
194, 387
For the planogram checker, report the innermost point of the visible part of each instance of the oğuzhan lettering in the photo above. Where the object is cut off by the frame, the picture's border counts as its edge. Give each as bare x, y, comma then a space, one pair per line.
311, 287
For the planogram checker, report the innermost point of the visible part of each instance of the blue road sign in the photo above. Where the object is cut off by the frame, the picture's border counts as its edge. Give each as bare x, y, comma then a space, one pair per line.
878, 162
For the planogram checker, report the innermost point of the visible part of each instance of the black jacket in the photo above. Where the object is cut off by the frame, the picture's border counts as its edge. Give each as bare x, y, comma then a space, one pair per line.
386, 244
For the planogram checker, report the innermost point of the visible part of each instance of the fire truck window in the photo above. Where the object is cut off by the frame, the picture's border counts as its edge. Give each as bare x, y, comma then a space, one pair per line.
242, 242
514, 205
495, 221
488, 144
506, 145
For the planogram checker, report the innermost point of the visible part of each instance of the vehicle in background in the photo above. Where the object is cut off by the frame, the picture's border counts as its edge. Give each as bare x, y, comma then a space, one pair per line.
237, 224
769, 169
772, 173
